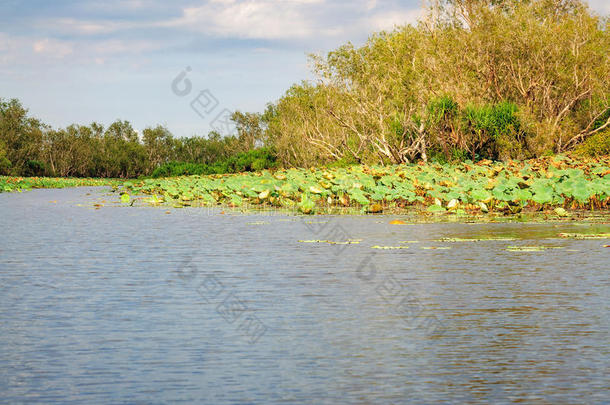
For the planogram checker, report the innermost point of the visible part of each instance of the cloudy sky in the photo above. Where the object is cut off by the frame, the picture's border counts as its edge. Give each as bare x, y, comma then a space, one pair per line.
78, 61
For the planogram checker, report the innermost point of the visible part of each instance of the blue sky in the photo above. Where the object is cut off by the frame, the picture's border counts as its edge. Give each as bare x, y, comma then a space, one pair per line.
78, 61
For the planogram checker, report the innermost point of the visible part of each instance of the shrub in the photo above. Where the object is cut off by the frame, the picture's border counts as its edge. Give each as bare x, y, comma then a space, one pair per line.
253, 160
596, 145
345, 161
34, 168
490, 128
5, 166
174, 169
442, 109
399, 95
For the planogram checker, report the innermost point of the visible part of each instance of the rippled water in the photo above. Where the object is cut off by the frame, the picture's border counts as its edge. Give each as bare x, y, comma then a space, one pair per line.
135, 305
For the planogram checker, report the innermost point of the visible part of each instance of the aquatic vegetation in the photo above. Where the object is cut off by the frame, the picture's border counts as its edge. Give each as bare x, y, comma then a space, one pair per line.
389, 247
10, 184
398, 222
330, 242
544, 184
492, 238
560, 211
585, 235
531, 248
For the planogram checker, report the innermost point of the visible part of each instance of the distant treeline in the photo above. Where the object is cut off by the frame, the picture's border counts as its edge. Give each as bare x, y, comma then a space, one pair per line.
30, 148
474, 79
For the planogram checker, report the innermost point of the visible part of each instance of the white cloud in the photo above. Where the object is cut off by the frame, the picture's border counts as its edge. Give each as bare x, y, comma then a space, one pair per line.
260, 19
52, 47
388, 20
117, 47
315, 24
289, 19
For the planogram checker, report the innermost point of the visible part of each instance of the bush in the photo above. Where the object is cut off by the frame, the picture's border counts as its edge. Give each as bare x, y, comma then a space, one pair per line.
174, 169
495, 120
253, 160
345, 161
34, 168
442, 109
5, 166
596, 145
540, 64
491, 129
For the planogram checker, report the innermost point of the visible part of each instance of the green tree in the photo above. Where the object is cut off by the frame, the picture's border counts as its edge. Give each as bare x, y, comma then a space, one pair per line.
20, 135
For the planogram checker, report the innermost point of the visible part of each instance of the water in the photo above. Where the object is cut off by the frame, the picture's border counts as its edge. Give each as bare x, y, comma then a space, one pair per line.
134, 305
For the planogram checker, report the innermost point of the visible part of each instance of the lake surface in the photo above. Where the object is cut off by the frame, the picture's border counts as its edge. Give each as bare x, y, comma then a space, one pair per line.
135, 305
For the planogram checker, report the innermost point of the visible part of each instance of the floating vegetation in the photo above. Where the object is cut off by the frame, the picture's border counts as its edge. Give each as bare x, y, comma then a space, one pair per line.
348, 242
531, 248
397, 222
585, 236
389, 247
561, 212
9, 184
436, 247
492, 238
330, 242
554, 185
409, 241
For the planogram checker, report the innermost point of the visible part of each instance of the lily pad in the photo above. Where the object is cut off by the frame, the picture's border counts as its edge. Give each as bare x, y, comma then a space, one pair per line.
585, 235
531, 248
491, 238
436, 209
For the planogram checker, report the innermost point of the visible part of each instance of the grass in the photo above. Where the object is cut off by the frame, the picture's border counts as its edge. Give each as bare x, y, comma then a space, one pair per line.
9, 184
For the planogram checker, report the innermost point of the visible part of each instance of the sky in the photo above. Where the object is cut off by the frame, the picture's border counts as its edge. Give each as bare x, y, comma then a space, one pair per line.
79, 61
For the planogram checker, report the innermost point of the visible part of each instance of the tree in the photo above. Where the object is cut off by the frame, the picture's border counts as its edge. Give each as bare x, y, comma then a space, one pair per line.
249, 130
20, 135
546, 58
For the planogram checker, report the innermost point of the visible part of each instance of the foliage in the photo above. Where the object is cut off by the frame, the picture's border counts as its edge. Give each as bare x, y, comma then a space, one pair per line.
474, 79
8, 184
5, 164
30, 148
173, 169
486, 186
252, 160
597, 145
497, 79
20, 137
